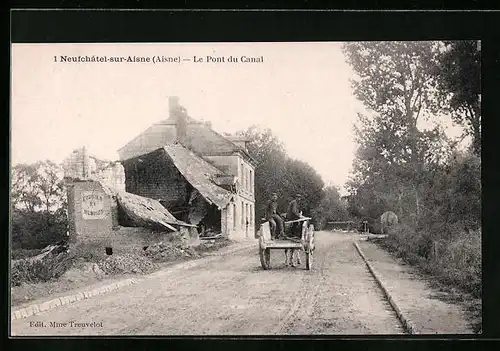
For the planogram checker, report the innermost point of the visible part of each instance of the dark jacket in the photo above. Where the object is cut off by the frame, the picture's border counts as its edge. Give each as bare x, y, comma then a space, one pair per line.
293, 211
271, 209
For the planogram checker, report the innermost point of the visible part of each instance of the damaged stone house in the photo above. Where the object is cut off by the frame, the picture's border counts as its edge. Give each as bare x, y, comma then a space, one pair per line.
103, 218
179, 177
200, 176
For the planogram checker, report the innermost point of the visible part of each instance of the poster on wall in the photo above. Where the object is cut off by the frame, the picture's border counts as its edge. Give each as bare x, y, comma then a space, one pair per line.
92, 205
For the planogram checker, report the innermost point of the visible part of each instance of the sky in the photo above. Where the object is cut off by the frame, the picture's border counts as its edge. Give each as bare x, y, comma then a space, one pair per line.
301, 91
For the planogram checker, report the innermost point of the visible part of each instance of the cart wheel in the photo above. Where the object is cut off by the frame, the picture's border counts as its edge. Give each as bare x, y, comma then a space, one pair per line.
265, 258
309, 260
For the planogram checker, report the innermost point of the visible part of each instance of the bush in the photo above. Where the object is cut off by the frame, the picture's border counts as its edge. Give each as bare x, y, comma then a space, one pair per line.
458, 260
36, 230
46, 269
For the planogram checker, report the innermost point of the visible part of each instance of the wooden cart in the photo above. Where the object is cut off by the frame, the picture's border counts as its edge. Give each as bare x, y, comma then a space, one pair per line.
305, 243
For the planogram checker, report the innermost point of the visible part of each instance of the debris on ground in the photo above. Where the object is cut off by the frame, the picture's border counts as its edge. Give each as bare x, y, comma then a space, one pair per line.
19, 254
46, 252
60, 270
169, 251
211, 236
83, 271
52, 263
127, 263
213, 244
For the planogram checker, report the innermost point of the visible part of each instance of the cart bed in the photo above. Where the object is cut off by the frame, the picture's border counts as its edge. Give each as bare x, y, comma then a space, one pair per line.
282, 244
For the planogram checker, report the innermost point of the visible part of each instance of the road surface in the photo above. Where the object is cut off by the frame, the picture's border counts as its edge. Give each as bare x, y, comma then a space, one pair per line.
233, 295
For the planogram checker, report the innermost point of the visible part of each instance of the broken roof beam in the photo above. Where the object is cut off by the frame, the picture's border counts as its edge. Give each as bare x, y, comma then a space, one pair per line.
147, 212
199, 173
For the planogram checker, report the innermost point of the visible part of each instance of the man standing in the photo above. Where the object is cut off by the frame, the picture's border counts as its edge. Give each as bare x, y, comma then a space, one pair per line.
294, 213
274, 218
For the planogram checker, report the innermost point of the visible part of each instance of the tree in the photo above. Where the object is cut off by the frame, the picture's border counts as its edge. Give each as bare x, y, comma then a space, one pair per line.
37, 187
394, 78
417, 174
39, 205
24, 190
457, 72
331, 207
301, 178
394, 81
271, 159
277, 172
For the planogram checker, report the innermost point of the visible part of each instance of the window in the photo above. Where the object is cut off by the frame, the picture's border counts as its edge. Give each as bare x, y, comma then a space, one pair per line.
242, 176
246, 179
247, 212
234, 216
251, 214
242, 215
251, 182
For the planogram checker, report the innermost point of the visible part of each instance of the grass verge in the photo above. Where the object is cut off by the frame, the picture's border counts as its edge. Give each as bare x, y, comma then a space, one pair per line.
454, 270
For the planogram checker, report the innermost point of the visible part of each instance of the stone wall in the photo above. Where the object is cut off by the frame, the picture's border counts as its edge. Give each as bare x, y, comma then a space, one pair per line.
90, 212
232, 219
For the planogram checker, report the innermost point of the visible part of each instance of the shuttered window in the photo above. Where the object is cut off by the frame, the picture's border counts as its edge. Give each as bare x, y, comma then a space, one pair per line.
242, 214
235, 213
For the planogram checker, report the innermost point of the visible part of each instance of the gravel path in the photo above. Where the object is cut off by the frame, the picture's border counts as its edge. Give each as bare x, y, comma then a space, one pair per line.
232, 295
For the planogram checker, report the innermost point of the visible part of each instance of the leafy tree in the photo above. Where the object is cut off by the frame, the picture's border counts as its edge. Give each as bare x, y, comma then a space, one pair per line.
331, 207
37, 187
394, 78
458, 75
271, 159
420, 175
24, 192
277, 172
394, 81
39, 205
301, 178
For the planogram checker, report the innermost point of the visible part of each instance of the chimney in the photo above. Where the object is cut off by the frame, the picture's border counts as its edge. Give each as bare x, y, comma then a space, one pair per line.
173, 105
178, 114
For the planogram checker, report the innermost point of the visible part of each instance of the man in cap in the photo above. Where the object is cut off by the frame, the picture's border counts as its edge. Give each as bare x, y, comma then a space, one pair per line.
294, 213
275, 221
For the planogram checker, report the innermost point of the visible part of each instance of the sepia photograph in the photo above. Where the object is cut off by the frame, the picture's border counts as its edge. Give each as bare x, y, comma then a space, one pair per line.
245, 188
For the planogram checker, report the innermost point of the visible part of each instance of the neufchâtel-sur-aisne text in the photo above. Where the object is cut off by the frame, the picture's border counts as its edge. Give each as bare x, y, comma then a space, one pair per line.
157, 59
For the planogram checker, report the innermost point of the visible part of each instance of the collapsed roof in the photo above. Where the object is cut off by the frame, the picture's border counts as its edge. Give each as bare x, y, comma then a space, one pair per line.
147, 212
200, 174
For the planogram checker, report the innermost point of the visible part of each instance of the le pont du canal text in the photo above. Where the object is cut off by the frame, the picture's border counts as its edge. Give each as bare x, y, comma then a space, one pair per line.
158, 59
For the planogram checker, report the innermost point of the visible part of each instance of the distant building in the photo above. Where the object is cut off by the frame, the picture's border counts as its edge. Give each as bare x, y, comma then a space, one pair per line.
200, 176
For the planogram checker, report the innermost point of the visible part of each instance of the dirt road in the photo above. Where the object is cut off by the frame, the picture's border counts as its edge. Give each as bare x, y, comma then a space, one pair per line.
232, 295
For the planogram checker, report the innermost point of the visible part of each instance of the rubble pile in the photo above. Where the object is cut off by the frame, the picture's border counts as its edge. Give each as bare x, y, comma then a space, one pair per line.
169, 251
213, 244
127, 263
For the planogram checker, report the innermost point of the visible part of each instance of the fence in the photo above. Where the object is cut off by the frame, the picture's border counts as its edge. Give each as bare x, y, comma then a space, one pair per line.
348, 226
